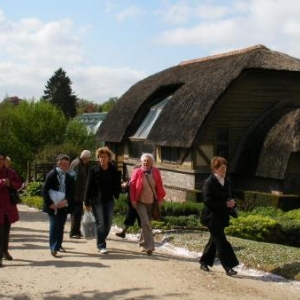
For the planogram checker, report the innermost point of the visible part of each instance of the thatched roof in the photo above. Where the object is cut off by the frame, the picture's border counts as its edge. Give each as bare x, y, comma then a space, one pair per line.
282, 140
199, 83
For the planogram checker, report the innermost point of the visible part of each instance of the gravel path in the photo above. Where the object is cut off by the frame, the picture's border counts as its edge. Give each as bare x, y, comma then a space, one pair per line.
124, 273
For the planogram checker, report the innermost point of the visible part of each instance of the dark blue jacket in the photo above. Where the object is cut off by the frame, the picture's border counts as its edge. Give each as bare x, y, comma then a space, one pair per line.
52, 182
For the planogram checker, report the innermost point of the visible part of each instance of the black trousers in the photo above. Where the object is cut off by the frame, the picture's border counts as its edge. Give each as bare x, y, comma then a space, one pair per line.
218, 242
131, 216
76, 217
4, 236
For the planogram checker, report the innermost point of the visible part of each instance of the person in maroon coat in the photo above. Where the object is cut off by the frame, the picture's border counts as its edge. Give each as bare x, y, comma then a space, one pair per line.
8, 212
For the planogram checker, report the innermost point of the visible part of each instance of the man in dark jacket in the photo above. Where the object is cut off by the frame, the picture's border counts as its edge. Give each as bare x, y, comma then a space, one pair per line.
58, 201
79, 171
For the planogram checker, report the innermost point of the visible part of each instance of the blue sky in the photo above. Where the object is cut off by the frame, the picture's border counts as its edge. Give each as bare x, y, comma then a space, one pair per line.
106, 46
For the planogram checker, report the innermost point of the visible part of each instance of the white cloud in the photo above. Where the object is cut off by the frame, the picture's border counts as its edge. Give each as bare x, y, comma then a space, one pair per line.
242, 23
132, 12
32, 50
104, 81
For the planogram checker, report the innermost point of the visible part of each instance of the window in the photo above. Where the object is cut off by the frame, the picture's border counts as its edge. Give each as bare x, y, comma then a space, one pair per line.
170, 154
222, 142
137, 148
150, 119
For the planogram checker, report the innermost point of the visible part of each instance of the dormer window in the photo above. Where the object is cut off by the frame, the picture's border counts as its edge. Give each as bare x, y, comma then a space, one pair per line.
150, 120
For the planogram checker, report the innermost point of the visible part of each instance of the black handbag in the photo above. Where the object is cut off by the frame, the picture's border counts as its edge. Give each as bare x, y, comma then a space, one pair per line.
233, 212
14, 196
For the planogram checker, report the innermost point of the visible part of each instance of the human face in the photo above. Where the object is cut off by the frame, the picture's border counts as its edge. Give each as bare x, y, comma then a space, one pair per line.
221, 171
64, 165
147, 163
103, 160
85, 160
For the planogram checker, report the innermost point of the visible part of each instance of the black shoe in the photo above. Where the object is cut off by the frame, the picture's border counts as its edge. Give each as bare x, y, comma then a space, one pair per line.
149, 252
54, 253
121, 234
204, 267
231, 272
1, 262
62, 249
7, 256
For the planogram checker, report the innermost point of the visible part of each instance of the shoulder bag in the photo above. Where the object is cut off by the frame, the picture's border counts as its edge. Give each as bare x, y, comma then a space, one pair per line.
156, 215
14, 195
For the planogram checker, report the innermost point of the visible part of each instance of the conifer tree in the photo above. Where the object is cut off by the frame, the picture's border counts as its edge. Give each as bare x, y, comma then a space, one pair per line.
59, 92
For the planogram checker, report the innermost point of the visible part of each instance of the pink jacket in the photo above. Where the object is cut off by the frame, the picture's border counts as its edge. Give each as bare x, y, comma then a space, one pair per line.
136, 184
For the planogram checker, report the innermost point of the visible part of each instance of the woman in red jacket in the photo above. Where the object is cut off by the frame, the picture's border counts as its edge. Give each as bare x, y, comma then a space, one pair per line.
8, 211
145, 184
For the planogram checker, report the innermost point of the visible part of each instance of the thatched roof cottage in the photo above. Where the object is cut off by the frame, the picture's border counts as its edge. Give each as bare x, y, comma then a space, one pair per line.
244, 105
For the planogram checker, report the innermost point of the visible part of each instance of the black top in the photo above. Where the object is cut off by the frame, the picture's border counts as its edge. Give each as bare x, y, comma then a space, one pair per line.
102, 185
215, 197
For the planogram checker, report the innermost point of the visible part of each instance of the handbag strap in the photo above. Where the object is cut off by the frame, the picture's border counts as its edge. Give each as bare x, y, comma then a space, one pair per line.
150, 186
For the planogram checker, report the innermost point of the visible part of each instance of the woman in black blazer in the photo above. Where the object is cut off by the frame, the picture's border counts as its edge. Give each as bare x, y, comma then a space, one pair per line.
218, 203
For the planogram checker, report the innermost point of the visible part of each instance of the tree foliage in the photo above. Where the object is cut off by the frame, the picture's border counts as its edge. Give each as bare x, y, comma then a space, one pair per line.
59, 92
86, 106
28, 127
109, 104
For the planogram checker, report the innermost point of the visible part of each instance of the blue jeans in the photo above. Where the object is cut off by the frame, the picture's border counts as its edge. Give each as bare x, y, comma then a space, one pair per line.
57, 225
103, 213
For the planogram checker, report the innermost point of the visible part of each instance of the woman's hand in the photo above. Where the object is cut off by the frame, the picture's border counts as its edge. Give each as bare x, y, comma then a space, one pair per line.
53, 206
62, 203
230, 203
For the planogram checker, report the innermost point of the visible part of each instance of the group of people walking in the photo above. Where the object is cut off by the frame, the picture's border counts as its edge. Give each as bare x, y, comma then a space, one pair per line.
95, 190
70, 187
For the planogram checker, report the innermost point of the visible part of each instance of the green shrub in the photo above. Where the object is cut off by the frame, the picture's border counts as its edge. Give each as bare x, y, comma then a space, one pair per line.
33, 201
121, 205
254, 227
181, 209
292, 214
248, 200
33, 188
186, 222
268, 211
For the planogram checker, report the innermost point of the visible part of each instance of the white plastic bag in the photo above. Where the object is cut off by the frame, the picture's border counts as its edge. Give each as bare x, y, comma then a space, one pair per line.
88, 225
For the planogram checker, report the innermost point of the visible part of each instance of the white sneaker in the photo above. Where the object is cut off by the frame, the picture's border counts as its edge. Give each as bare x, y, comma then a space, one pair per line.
103, 251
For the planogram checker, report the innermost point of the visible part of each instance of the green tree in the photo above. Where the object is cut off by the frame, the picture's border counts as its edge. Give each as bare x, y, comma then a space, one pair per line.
109, 104
77, 134
86, 106
27, 128
59, 92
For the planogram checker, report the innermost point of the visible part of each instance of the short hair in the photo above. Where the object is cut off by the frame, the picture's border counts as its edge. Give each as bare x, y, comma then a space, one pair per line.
217, 161
7, 161
104, 150
63, 157
147, 155
85, 154
2, 154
